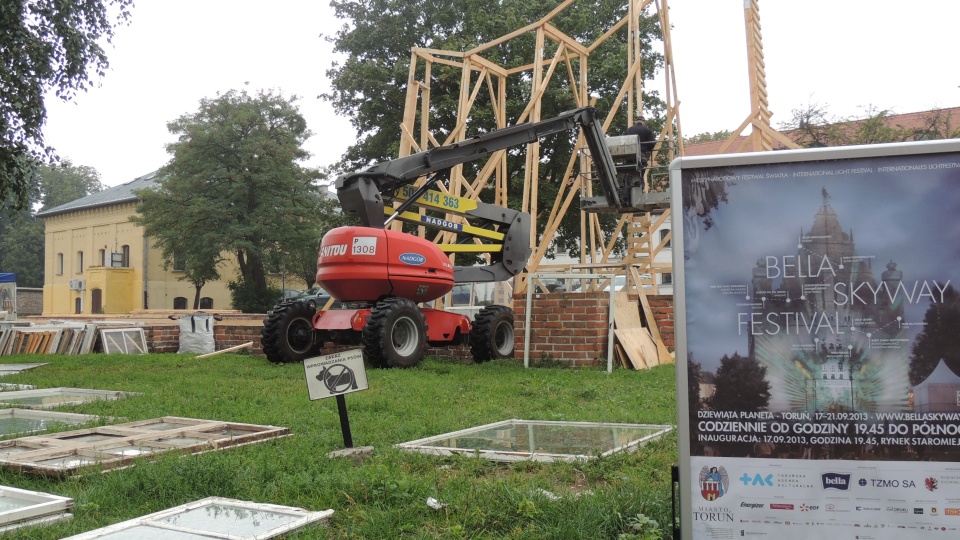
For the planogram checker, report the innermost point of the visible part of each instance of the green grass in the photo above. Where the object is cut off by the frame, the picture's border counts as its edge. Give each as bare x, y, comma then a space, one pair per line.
383, 495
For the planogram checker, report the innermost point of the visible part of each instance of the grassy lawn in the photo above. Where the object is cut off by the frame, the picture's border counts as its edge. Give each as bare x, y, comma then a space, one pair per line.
384, 495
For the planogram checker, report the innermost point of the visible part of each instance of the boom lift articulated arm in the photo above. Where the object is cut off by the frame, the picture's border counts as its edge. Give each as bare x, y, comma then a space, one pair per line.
366, 192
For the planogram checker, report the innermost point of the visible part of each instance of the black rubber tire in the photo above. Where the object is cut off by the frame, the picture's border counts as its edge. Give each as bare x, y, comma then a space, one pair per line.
288, 334
491, 335
395, 334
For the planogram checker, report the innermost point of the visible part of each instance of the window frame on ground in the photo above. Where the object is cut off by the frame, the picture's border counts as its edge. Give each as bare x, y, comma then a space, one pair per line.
163, 522
431, 445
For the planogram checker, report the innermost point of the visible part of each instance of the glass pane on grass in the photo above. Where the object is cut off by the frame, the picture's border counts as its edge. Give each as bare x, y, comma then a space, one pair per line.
146, 532
546, 440
11, 502
232, 520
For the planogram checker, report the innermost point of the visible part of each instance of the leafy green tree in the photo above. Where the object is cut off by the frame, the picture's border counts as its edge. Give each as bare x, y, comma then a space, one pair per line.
66, 182
369, 86
236, 186
939, 339
21, 248
45, 46
741, 385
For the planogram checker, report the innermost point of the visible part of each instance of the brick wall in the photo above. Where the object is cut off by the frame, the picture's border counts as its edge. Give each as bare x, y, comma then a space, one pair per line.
572, 327
29, 301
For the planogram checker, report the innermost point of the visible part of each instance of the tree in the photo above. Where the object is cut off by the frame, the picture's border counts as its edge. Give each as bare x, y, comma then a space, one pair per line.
45, 46
66, 182
939, 339
234, 185
370, 85
741, 385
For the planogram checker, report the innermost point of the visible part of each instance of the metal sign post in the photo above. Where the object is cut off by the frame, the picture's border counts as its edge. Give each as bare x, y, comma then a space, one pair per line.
336, 375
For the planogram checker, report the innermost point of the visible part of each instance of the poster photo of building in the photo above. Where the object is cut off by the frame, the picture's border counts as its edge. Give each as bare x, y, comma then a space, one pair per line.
819, 302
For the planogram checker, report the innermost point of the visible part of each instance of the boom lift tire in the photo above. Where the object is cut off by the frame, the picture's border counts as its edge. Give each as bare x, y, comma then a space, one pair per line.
395, 334
491, 335
287, 335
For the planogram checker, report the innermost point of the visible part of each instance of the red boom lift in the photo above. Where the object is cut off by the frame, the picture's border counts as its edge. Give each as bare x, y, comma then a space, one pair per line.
380, 275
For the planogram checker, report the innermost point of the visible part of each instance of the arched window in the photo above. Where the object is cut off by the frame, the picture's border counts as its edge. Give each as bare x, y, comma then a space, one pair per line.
78, 306
59, 264
79, 262
206, 303
125, 253
180, 302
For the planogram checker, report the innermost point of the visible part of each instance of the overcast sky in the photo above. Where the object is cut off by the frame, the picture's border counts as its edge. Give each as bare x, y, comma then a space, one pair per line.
839, 54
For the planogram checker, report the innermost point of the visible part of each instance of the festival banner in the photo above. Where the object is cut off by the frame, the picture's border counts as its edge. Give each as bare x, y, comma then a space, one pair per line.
818, 348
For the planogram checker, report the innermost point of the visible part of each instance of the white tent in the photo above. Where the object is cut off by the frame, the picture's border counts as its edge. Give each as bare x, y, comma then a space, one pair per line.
940, 392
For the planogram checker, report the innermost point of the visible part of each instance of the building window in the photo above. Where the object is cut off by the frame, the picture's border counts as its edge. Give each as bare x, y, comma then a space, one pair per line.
125, 256
206, 303
179, 265
666, 278
59, 264
103, 257
663, 236
180, 302
79, 262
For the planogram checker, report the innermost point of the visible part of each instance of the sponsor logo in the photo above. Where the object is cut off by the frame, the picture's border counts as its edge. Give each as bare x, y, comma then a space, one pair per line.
757, 480
897, 509
951, 511
713, 514
930, 483
868, 509
832, 480
714, 482
933, 511
809, 508
781, 506
333, 250
414, 259
877, 482
862, 482
751, 505
918, 511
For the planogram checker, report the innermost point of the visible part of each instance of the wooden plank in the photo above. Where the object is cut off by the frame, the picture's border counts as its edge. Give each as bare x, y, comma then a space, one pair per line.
626, 314
246, 345
651, 325
639, 347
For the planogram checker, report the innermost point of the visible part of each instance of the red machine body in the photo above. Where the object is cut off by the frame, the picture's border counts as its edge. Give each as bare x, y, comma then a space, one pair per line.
364, 264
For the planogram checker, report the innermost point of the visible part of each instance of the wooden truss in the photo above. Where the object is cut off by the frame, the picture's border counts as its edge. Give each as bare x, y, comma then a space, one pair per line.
559, 62
762, 135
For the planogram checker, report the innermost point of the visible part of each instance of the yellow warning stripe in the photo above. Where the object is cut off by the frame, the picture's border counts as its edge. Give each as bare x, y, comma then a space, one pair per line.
470, 248
436, 199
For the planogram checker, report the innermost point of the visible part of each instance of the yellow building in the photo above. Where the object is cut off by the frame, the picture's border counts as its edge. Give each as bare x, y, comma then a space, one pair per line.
97, 261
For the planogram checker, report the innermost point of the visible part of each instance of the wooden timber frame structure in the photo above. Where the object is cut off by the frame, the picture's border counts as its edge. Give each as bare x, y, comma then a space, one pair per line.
762, 134
556, 55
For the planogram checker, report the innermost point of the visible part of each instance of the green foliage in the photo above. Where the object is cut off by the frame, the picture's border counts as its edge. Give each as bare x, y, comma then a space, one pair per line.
66, 182
641, 528
250, 299
235, 186
384, 494
369, 86
45, 46
741, 385
939, 339
705, 137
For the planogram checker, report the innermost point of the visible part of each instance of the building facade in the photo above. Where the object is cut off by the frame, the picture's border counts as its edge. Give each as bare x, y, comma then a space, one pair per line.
99, 262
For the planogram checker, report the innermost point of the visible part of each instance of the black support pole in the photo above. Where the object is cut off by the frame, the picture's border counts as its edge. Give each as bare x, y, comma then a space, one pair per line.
344, 421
